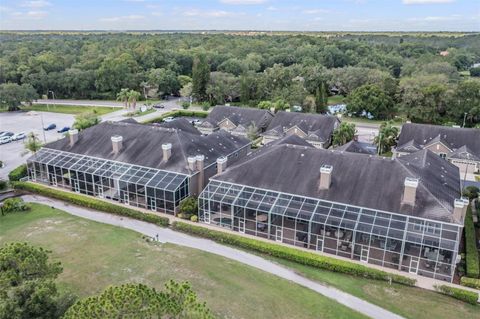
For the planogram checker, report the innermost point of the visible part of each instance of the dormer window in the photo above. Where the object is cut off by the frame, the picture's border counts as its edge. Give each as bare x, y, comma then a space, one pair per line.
443, 155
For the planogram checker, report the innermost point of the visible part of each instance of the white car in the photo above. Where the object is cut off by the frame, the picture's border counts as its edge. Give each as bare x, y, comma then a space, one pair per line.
5, 139
18, 136
168, 119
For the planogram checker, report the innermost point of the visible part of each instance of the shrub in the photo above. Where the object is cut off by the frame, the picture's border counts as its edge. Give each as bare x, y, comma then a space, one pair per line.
292, 254
93, 203
18, 173
470, 282
189, 206
14, 204
458, 293
194, 218
185, 105
473, 269
471, 192
3, 184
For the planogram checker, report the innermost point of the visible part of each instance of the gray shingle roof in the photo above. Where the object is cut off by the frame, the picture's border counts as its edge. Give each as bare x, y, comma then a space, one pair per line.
181, 124
317, 126
358, 147
453, 137
142, 145
357, 179
243, 116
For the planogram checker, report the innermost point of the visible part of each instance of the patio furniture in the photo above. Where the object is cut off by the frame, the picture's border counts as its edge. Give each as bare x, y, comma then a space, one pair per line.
261, 226
339, 234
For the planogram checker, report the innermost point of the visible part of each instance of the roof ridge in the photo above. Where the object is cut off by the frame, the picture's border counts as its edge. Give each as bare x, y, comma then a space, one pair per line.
421, 183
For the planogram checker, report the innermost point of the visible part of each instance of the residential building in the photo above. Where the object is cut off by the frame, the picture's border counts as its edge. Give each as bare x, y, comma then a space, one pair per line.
141, 165
236, 120
404, 213
317, 129
460, 146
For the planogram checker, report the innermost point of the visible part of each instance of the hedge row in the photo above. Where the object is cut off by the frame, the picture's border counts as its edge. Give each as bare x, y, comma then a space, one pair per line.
472, 261
89, 202
292, 254
18, 173
470, 282
178, 113
458, 293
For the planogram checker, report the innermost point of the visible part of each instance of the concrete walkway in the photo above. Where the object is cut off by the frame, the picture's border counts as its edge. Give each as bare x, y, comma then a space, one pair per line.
167, 235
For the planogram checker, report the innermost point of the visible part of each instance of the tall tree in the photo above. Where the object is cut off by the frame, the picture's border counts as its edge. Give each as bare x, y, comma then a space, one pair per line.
12, 95
343, 134
123, 96
200, 76
321, 98
178, 300
387, 137
133, 97
27, 287
33, 143
372, 99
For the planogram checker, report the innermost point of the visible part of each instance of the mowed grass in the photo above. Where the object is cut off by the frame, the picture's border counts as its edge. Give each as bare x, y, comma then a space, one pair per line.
70, 109
408, 302
95, 255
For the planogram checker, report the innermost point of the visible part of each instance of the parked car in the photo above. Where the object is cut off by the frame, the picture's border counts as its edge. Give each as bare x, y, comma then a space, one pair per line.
18, 136
50, 127
196, 122
64, 129
159, 106
5, 139
6, 133
168, 119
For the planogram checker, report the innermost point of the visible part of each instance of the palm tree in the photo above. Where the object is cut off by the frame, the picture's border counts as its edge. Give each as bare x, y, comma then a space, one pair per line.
133, 96
343, 134
387, 137
32, 144
123, 96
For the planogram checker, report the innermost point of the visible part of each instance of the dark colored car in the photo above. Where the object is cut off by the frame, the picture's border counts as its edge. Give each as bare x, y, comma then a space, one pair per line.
159, 106
50, 127
63, 130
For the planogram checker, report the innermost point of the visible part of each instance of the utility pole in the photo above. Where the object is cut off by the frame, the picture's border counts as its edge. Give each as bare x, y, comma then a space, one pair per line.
43, 128
464, 118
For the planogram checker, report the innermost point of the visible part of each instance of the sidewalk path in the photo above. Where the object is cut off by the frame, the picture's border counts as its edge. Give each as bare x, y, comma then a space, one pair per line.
170, 236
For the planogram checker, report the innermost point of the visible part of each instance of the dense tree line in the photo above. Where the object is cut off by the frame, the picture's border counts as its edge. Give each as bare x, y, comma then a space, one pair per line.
384, 75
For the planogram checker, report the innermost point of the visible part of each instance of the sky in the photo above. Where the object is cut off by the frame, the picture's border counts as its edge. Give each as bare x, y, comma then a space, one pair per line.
270, 15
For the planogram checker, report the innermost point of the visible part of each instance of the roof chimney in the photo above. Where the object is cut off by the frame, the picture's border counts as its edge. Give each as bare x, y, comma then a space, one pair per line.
201, 172
73, 136
167, 151
117, 141
459, 209
410, 190
326, 176
221, 164
192, 161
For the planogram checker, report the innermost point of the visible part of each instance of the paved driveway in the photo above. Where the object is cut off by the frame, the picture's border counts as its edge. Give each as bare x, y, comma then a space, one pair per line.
171, 236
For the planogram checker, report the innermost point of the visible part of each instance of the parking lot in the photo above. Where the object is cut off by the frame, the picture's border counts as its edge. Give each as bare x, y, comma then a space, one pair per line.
16, 122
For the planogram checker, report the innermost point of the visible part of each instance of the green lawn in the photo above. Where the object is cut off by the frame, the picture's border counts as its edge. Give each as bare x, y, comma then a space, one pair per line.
70, 109
336, 99
95, 255
408, 302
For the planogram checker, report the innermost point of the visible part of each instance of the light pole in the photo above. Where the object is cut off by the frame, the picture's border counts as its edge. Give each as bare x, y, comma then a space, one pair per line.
43, 128
464, 118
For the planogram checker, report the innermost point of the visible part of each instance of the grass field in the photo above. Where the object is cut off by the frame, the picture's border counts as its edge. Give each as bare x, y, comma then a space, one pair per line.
96, 255
336, 99
406, 301
70, 109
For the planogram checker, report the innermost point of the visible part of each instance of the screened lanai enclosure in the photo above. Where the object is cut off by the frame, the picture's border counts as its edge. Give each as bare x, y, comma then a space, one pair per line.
416, 245
144, 187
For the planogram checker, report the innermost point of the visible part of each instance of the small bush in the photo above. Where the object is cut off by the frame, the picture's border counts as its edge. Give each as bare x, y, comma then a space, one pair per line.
194, 218
89, 202
14, 204
458, 293
18, 173
3, 184
185, 105
470, 282
292, 254
472, 261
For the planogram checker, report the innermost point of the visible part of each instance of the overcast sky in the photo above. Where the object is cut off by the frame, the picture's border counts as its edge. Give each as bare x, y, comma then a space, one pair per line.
298, 15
